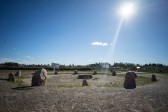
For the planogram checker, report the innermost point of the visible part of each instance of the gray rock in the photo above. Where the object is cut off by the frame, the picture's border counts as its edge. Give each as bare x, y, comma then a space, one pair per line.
153, 78
84, 83
76, 72
130, 82
39, 78
11, 77
56, 72
18, 73
114, 73
84, 76
94, 72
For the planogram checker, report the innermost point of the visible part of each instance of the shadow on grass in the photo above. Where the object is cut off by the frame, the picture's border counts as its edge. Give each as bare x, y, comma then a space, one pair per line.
5, 79
23, 88
18, 88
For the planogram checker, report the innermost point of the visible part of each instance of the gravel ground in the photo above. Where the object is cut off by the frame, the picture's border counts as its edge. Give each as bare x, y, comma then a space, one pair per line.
149, 98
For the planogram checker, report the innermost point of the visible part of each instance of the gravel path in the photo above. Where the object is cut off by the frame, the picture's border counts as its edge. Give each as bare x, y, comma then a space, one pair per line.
149, 98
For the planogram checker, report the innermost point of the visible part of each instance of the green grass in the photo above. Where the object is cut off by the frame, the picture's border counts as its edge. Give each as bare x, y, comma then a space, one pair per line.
112, 85
19, 83
95, 78
66, 85
140, 81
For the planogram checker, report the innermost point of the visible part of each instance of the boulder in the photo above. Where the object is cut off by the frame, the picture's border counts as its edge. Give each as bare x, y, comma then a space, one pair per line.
39, 78
84, 76
130, 82
18, 73
76, 72
94, 72
114, 73
11, 77
153, 78
84, 83
56, 72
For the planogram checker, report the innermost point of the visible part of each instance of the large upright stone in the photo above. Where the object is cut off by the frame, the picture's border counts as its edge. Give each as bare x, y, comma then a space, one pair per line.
94, 72
18, 73
75, 72
39, 78
11, 77
56, 72
129, 82
153, 78
84, 83
114, 73
84, 76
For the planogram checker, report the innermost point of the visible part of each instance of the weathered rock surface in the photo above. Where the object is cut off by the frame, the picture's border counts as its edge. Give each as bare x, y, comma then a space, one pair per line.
114, 73
129, 82
56, 72
18, 73
84, 83
76, 72
39, 78
94, 72
153, 78
84, 76
11, 77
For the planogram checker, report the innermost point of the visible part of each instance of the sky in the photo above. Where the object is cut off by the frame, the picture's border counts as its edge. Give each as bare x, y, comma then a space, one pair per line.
83, 32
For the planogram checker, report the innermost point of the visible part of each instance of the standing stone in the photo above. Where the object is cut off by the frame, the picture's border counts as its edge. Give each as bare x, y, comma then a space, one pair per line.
153, 78
135, 74
94, 72
56, 72
11, 77
84, 76
84, 83
39, 78
114, 73
18, 73
76, 72
129, 82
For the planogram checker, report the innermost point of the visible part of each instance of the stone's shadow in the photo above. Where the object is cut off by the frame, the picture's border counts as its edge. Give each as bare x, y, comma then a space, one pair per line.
130, 87
4, 79
23, 88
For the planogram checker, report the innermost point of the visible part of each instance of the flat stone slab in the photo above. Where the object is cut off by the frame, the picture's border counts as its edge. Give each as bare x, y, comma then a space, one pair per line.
84, 76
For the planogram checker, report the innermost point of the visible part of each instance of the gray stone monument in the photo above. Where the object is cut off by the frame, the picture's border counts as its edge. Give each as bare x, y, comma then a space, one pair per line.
94, 72
11, 77
18, 73
84, 83
56, 72
114, 73
75, 72
39, 78
129, 82
153, 78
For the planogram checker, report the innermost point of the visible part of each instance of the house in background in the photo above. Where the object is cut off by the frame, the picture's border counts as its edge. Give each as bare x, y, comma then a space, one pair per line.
55, 65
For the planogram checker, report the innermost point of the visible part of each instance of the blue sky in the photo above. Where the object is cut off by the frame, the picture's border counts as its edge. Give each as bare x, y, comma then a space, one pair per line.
82, 31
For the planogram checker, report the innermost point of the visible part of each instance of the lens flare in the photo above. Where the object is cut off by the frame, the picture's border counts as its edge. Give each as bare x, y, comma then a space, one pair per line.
127, 10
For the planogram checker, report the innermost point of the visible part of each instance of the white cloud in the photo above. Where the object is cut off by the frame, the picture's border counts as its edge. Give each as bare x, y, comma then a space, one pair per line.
3, 60
90, 60
29, 57
100, 58
99, 44
104, 44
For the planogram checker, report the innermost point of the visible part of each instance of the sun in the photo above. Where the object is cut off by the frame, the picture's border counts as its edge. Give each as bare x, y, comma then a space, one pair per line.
127, 10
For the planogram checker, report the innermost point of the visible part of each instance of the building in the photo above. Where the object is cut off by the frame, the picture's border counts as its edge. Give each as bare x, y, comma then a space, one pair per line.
55, 65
